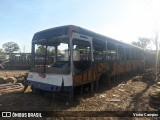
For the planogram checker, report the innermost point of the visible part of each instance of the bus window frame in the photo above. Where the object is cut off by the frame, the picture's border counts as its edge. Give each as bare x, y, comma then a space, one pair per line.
96, 50
34, 43
77, 36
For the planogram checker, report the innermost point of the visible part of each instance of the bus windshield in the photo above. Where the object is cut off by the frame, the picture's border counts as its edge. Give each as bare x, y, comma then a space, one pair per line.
52, 56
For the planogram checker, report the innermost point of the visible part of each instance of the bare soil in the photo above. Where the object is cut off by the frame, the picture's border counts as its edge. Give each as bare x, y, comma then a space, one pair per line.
131, 94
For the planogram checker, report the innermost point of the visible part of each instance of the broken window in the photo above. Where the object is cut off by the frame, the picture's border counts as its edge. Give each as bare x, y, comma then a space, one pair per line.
111, 51
81, 55
99, 50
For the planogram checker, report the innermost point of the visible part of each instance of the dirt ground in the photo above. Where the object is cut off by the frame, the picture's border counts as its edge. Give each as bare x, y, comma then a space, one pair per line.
131, 94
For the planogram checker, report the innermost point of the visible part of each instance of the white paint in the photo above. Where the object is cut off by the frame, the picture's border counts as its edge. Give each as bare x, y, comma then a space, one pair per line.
51, 79
76, 55
81, 37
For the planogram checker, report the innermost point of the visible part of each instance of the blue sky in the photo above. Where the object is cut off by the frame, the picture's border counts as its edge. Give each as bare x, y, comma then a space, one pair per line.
124, 20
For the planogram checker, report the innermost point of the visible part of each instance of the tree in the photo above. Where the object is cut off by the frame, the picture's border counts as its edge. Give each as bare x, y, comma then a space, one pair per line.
136, 43
41, 50
10, 47
1, 50
142, 42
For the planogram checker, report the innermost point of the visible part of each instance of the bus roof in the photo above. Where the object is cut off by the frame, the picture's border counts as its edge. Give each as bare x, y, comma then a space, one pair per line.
66, 30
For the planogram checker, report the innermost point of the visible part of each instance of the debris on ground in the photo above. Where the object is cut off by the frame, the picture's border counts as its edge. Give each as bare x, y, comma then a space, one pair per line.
2, 81
132, 94
155, 98
113, 99
137, 78
27, 89
7, 88
11, 80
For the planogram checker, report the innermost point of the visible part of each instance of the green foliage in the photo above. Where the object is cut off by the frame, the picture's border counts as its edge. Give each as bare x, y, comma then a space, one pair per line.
1, 50
10, 47
41, 50
142, 42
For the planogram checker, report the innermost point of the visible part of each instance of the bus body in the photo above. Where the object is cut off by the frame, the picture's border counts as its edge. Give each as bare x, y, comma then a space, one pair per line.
69, 56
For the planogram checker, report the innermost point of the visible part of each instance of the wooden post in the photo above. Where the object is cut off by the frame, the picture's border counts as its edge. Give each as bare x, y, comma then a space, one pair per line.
97, 83
109, 80
55, 54
125, 60
117, 52
92, 83
71, 94
82, 86
92, 86
33, 54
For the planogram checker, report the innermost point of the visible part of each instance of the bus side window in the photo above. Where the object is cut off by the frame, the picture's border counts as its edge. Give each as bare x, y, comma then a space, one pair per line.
111, 51
120, 51
81, 55
127, 53
99, 52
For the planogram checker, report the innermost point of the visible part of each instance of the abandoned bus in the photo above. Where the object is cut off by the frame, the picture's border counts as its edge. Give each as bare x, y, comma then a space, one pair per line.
69, 56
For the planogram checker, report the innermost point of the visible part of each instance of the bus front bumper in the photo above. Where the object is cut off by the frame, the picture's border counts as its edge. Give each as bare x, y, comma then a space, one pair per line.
48, 87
